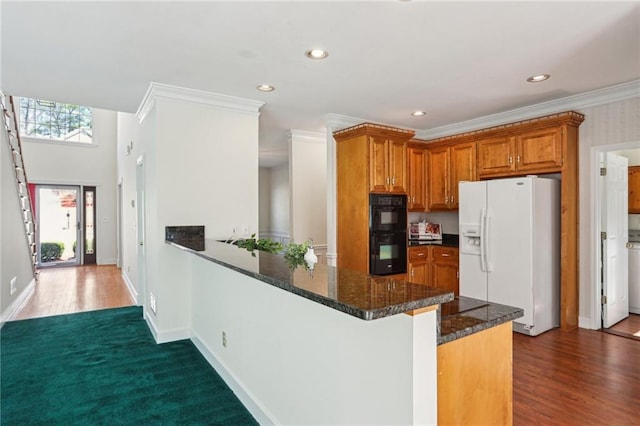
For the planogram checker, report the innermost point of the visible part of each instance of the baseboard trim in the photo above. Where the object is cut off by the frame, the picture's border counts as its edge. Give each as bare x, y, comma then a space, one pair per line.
17, 304
584, 322
110, 261
132, 289
257, 410
164, 336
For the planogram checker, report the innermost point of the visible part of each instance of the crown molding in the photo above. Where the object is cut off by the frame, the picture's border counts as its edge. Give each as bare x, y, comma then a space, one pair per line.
585, 100
306, 136
160, 91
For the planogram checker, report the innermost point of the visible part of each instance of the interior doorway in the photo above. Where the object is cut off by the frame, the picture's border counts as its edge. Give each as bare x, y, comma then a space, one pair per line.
66, 219
605, 270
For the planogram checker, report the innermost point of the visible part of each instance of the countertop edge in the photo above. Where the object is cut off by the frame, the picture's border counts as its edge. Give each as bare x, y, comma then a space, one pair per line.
363, 314
510, 314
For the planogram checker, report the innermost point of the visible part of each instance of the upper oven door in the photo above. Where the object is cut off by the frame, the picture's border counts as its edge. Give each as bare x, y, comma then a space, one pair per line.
388, 219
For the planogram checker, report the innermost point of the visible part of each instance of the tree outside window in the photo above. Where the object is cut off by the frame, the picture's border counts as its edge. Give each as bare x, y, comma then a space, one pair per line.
55, 120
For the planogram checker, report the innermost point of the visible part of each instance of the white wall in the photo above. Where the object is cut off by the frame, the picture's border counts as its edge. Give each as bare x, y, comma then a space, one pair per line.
15, 260
128, 136
201, 168
292, 361
264, 201
308, 187
280, 225
48, 162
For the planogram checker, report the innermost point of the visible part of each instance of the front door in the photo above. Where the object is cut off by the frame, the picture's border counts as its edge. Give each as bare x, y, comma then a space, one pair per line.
58, 231
615, 284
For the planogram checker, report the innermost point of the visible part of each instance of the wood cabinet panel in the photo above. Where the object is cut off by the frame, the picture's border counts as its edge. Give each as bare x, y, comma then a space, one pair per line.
418, 267
475, 383
397, 166
495, 156
438, 177
634, 189
416, 179
378, 164
539, 150
463, 168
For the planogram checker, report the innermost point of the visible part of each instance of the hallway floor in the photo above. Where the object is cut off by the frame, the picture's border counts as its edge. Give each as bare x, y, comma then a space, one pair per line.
67, 290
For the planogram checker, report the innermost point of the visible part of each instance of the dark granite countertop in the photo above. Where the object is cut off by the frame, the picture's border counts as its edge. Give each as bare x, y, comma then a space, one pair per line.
352, 292
448, 240
464, 316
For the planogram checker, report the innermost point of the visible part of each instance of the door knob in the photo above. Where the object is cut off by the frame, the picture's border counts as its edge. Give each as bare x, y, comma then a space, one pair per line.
141, 243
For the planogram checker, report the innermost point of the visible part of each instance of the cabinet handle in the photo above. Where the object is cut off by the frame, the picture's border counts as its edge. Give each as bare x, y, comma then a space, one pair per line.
413, 199
518, 159
452, 199
388, 180
510, 159
412, 273
393, 181
420, 254
445, 255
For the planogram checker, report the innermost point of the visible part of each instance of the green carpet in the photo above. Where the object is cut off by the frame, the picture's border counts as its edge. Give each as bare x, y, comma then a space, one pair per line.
104, 368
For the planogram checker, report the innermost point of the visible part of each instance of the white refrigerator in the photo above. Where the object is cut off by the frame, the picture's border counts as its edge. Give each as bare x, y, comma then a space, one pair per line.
510, 247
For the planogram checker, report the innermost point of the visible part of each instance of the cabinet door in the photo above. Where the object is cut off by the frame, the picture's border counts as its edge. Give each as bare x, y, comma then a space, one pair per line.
539, 150
378, 165
444, 268
495, 156
437, 178
418, 273
397, 166
634, 189
416, 180
463, 168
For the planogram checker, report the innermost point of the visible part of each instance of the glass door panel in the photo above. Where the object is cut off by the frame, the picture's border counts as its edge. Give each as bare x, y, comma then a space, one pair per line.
58, 225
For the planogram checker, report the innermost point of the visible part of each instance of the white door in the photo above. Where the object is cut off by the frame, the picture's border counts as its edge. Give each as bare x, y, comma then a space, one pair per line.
615, 285
140, 220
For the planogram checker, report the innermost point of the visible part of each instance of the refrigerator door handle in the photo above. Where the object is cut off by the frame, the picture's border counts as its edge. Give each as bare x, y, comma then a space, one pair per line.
483, 237
487, 246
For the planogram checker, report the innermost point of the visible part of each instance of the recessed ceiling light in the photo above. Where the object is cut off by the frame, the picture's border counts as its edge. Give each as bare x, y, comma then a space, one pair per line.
418, 113
266, 88
538, 78
316, 54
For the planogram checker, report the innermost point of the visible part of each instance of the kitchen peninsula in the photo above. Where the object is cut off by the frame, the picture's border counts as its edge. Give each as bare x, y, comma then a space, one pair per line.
328, 345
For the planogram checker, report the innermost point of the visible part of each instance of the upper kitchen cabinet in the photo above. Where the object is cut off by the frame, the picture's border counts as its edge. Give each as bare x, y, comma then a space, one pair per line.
538, 150
417, 174
387, 165
382, 152
447, 165
634, 189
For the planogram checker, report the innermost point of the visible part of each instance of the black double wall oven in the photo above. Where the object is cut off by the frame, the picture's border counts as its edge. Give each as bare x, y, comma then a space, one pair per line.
387, 234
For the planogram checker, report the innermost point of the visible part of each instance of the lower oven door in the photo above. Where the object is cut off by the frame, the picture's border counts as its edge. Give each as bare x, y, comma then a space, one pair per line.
388, 253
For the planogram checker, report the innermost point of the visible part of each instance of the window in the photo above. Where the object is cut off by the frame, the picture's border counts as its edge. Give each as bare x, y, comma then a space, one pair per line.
54, 120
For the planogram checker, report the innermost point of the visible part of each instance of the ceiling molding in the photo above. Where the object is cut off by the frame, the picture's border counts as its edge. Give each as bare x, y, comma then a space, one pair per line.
157, 91
295, 135
585, 100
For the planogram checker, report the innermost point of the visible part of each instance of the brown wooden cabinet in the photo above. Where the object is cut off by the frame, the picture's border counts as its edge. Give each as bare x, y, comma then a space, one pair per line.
387, 165
434, 266
444, 268
447, 165
532, 151
634, 189
369, 158
418, 266
416, 178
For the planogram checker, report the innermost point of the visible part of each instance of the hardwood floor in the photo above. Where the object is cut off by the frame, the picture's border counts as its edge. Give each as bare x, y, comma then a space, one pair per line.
67, 290
629, 327
580, 377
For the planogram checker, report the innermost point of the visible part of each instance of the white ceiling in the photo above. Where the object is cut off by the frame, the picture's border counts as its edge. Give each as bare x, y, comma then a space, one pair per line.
456, 60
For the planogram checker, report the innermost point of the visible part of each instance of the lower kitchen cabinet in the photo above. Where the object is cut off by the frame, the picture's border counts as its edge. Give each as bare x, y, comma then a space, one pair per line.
434, 266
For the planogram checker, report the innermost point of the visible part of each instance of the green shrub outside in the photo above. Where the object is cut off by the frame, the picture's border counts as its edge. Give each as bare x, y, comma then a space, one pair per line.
51, 251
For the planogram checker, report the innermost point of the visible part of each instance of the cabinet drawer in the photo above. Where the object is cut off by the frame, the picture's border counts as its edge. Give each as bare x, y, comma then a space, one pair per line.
445, 254
418, 254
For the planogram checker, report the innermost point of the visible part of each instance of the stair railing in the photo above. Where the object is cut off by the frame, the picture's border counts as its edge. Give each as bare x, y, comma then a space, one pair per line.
10, 121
